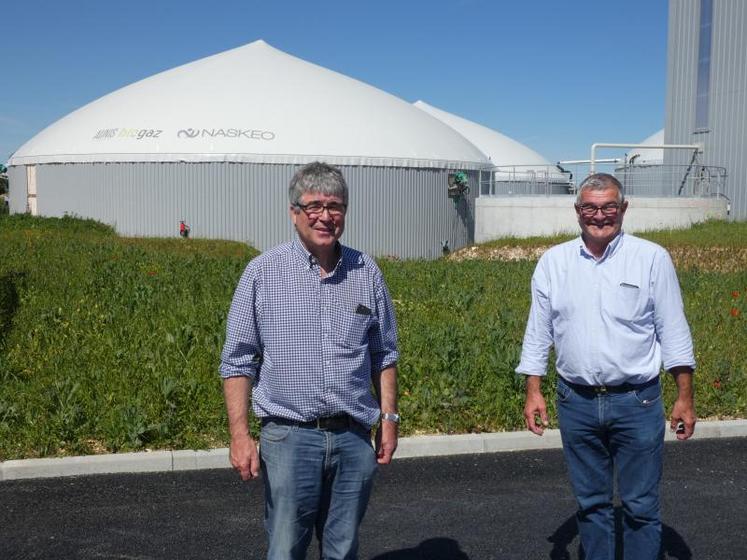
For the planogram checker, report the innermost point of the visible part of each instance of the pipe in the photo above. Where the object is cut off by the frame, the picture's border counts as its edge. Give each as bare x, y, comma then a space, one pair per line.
697, 147
586, 161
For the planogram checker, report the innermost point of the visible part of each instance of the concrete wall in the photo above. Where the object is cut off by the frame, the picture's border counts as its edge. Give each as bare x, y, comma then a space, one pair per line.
497, 217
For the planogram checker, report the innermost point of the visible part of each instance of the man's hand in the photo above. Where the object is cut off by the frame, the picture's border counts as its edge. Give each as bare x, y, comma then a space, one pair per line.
385, 385
683, 412
534, 406
243, 452
244, 456
386, 441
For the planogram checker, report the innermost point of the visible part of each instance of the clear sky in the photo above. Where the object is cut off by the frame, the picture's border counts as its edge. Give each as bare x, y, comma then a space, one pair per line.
555, 75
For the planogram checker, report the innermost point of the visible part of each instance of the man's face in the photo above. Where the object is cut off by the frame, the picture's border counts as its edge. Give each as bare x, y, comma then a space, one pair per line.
319, 232
600, 229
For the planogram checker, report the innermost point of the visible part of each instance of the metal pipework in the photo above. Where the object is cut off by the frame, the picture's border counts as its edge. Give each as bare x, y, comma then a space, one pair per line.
697, 147
587, 161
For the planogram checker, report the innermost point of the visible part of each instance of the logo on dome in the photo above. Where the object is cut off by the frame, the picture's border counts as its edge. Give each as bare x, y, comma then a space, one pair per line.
248, 133
105, 133
136, 133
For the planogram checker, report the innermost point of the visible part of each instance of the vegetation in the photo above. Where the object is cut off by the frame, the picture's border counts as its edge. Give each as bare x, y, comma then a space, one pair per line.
3, 180
112, 344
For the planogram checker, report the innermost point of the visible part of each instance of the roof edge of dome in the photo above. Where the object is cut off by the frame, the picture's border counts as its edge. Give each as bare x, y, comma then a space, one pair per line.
293, 159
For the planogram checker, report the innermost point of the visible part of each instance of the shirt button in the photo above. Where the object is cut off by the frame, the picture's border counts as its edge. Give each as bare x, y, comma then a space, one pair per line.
327, 362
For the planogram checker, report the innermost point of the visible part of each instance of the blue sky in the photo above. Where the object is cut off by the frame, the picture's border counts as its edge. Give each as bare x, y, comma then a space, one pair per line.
554, 75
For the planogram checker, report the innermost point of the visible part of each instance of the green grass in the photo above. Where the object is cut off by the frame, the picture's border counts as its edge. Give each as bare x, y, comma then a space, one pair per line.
109, 343
712, 233
112, 344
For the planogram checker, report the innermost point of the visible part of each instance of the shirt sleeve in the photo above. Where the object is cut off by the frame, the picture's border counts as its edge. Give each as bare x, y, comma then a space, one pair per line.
538, 336
242, 352
383, 335
672, 330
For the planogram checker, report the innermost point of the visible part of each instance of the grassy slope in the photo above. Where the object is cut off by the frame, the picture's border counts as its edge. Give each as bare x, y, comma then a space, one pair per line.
112, 344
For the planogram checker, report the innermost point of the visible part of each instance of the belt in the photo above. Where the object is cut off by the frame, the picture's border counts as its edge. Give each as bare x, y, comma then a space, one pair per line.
330, 423
604, 389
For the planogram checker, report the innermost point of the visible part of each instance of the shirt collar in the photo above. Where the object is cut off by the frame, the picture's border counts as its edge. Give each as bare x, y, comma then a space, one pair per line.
611, 248
310, 261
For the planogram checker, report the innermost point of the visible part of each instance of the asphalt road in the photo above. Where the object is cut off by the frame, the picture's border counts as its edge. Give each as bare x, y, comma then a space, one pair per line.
469, 507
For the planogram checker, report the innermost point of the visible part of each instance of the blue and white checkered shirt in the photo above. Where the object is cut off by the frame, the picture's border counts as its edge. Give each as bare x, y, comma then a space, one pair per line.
310, 344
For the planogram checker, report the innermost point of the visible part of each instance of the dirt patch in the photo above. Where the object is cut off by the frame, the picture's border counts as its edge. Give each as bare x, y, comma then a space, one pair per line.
474, 252
714, 259
711, 259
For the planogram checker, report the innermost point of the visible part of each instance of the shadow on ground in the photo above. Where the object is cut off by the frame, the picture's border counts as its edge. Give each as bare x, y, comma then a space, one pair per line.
431, 549
673, 546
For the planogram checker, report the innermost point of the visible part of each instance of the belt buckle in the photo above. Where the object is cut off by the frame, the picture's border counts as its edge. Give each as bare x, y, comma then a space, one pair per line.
600, 389
332, 422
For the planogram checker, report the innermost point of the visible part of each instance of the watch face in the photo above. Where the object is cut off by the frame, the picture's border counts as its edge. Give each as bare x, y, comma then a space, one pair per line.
391, 416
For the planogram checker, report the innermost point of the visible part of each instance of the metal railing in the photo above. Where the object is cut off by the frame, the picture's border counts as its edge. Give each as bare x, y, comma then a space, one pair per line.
672, 180
653, 180
525, 180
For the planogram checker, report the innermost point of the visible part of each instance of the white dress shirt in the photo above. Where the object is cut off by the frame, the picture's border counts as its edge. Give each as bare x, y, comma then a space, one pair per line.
612, 320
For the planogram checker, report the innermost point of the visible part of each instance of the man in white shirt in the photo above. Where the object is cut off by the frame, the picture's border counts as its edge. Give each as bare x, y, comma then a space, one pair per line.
610, 304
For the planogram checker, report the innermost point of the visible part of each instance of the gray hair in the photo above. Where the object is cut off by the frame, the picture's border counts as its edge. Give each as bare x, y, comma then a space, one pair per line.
318, 177
601, 182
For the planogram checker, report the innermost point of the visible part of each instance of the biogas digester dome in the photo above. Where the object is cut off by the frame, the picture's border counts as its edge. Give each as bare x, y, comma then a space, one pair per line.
642, 172
216, 141
516, 166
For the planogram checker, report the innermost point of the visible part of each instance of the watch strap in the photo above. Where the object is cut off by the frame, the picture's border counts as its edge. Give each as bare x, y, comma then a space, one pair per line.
391, 416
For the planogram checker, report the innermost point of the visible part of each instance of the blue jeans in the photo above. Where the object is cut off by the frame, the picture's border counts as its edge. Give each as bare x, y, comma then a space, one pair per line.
604, 433
315, 479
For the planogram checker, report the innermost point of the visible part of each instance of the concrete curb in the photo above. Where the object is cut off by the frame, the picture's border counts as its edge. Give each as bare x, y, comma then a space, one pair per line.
417, 446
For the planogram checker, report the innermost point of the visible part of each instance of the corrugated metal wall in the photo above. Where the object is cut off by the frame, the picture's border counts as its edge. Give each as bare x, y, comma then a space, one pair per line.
17, 184
725, 142
402, 212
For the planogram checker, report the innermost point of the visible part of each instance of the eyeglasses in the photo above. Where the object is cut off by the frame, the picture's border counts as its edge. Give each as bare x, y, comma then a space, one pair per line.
590, 210
316, 209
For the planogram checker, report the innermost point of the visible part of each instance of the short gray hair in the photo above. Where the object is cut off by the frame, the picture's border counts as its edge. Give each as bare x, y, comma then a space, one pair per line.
318, 177
601, 182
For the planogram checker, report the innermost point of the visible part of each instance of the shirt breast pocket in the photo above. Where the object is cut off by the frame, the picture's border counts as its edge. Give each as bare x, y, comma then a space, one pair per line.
626, 301
352, 328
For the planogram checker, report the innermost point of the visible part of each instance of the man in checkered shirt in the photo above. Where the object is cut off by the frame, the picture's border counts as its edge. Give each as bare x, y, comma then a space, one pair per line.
311, 329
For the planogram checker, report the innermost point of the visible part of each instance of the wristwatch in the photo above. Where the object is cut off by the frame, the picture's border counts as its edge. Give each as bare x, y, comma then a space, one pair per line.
391, 416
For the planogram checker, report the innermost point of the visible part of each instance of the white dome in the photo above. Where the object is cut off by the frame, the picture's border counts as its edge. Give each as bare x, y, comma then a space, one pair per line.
502, 150
648, 156
251, 104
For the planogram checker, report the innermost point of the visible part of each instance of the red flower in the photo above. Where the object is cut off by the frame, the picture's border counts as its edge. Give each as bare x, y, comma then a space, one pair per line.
734, 312
717, 384
735, 294
151, 273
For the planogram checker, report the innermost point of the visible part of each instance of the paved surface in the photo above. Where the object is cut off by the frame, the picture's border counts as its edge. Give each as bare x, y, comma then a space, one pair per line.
514, 505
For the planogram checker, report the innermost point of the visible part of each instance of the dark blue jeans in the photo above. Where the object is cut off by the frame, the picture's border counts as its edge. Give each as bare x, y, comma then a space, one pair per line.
620, 433
315, 480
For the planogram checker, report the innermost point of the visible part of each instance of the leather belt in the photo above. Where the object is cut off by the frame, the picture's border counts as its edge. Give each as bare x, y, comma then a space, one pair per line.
330, 423
605, 389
